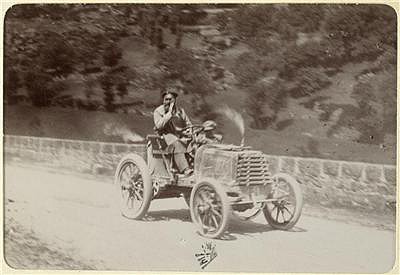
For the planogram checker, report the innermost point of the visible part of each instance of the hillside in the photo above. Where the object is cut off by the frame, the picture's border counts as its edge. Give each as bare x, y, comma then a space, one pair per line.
312, 85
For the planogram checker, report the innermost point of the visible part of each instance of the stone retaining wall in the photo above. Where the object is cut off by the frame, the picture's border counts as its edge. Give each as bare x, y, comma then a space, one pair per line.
341, 184
81, 156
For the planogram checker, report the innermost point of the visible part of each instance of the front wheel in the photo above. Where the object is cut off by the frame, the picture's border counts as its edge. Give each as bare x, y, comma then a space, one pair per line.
209, 208
283, 210
134, 185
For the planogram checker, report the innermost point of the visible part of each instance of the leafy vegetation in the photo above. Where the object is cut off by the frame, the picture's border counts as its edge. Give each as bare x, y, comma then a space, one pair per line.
299, 41
292, 51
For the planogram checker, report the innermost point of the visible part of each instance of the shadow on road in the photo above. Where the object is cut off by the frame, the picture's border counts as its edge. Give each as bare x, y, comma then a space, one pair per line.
236, 226
249, 228
166, 215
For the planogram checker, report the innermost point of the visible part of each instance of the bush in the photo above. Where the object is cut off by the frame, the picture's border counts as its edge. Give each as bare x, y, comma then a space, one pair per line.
38, 85
305, 18
28, 11
248, 68
248, 20
309, 54
181, 65
178, 62
363, 29
376, 98
57, 56
11, 82
308, 81
265, 99
112, 55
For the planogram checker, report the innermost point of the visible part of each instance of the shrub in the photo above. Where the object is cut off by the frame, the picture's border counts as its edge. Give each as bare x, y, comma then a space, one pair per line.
249, 19
38, 85
307, 81
11, 82
112, 55
248, 68
181, 65
363, 29
264, 100
305, 18
57, 56
178, 62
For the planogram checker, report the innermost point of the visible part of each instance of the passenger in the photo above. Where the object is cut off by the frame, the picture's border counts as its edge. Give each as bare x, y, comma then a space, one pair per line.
208, 135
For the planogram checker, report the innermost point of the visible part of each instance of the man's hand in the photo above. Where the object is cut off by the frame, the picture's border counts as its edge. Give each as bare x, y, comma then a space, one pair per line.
171, 107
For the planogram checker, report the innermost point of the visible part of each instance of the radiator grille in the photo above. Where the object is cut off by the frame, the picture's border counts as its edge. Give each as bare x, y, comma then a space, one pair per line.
252, 168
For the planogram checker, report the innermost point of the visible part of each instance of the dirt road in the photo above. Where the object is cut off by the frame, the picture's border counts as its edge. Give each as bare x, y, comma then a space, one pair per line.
78, 217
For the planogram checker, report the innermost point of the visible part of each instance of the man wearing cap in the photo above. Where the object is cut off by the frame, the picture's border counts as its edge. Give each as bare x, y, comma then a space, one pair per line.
169, 120
208, 135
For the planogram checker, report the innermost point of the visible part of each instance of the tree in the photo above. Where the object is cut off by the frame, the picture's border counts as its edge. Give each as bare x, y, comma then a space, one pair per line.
305, 17
106, 82
112, 55
11, 83
265, 98
308, 81
57, 56
249, 67
363, 29
38, 85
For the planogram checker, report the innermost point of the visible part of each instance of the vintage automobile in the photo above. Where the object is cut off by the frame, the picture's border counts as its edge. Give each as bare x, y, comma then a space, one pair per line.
227, 180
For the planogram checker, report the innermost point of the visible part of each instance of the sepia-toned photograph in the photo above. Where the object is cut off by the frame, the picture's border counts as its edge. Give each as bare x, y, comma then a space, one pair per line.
200, 137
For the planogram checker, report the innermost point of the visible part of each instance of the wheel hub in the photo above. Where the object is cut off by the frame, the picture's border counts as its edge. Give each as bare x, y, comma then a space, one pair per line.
126, 185
204, 207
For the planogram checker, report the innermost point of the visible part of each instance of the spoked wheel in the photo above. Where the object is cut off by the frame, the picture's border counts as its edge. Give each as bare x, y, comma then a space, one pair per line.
284, 211
134, 183
209, 208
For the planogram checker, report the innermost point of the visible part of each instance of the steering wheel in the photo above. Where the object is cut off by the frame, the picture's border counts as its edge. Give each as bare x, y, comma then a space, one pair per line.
193, 129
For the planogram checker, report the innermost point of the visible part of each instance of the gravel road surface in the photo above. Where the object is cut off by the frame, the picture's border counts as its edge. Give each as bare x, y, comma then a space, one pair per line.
71, 221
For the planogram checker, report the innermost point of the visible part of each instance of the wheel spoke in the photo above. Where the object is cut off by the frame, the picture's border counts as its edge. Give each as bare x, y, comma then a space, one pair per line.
136, 204
129, 170
130, 202
283, 216
281, 192
277, 213
218, 214
125, 175
125, 194
208, 220
138, 195
201, 197
215, 221
290, 212
139, 187
273, 208
203, 219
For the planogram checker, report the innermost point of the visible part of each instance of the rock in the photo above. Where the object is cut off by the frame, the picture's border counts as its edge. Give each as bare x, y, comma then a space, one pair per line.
331, 168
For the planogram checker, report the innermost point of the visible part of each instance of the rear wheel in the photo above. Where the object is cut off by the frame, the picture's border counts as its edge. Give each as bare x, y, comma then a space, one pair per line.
284, 210
209, 208
134, 185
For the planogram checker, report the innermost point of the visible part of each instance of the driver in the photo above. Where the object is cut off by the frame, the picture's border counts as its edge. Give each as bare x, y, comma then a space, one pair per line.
170, 120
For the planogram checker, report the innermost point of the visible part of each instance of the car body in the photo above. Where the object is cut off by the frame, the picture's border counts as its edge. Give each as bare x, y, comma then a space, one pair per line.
227, 179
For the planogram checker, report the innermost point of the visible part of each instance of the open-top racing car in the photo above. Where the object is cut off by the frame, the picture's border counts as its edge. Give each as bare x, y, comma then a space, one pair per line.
227, 179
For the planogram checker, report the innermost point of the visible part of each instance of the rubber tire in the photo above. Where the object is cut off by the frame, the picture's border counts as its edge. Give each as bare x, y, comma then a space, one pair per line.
147, 186
294, 185
226, 209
